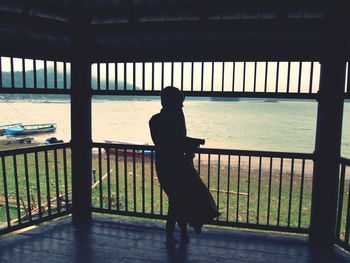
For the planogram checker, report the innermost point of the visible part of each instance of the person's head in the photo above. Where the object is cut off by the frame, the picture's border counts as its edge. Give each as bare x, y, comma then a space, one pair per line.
172, 98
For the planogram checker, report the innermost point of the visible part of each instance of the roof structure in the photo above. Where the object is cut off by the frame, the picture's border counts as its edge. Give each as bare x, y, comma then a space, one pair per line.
154, 29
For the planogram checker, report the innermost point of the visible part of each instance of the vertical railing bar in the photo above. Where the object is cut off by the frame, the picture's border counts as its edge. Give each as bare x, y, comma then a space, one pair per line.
109, 178
134, 176
162, 77
277, 75
208, 171
266, 75
340, 198
233, 75
56, 182
301, 192
311, 77
100, 175
279, 193
55, 74
244, 75
34, 74
300, 75
172, 73
65, 75
12, 73
259, 190
248, 197
125, 75
348, 80
161, 201
347, 228
255, 67
134, 76
143, 76
152, 76
26, 173
116, 75
288, 76
38, 183
202, 76
24, 81
98, 77
117, 177
223, 76
16, 189
199, 164
192, 78
290, 191
5, 186
152, 187
46, 84
228, 187
65, 176
47, 182
269, 193
126, 180
182, 75
238, 186
218, 185
143, 180
107, 76
212, 75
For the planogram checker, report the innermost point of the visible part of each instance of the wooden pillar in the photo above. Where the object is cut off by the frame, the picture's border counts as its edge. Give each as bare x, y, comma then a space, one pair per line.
80, 116
328, 133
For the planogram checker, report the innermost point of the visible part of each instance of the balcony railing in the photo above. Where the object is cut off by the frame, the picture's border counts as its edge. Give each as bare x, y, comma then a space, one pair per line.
343, 218
253, 189
35, 185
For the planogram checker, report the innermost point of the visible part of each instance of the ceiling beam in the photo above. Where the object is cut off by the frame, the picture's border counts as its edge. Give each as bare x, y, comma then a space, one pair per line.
34, 23
251, 25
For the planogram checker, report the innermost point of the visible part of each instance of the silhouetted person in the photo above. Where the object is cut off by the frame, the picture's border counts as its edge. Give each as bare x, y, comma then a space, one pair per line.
189, 199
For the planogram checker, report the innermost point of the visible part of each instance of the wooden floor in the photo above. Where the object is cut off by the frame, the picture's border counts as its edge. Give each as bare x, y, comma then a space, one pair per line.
111, 239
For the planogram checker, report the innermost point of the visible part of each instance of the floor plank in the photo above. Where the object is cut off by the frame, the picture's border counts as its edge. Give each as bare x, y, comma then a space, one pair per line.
113, 239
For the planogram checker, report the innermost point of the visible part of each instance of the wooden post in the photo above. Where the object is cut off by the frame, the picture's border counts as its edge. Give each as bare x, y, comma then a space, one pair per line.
328, 133
80, 115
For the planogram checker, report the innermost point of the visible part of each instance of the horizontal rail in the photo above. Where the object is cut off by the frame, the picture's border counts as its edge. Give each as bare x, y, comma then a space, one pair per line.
345, 161
212, 150
34, 222
236, 94
32, 149
229, 224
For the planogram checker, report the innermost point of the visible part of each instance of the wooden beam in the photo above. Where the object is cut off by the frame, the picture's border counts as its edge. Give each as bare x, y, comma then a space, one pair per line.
238, 25
81, 141
19, 20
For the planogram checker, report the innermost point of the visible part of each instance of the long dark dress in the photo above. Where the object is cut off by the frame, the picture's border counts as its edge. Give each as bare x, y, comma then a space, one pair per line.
175, 170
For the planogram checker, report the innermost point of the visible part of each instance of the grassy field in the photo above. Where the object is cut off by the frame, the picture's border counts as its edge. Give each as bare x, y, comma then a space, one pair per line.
263, 196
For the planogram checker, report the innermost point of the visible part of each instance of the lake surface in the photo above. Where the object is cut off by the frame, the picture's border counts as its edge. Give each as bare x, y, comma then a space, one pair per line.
252, 125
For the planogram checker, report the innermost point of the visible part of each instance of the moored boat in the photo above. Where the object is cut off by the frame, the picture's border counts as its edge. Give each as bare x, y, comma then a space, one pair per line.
30, 129
7, 126
129, 152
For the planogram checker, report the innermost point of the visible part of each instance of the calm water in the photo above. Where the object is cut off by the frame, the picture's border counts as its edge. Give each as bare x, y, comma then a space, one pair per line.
254, 125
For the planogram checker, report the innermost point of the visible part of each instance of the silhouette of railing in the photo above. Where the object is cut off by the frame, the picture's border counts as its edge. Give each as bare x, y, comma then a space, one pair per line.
343, 216
289, 79
34, 76
35, 185
253, 189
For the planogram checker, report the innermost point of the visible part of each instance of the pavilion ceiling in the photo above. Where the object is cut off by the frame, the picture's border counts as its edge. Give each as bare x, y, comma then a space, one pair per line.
176, 29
